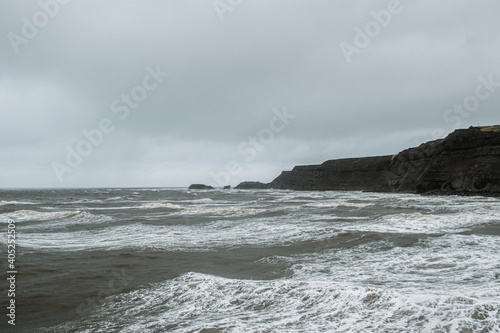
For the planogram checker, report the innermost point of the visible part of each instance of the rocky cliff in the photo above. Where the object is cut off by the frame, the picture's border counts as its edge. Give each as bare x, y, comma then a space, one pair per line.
466, 162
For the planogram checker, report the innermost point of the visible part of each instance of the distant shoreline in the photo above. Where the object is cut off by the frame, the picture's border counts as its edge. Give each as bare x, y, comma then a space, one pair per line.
465, 163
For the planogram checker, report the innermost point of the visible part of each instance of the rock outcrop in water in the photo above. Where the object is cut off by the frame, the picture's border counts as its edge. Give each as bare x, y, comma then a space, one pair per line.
200, 187
466, 162
252, 185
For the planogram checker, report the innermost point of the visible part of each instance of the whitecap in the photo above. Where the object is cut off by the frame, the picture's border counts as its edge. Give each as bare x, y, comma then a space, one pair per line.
228, 210
24, 215
156, 205
196, 302
3, 202
335, 204
204, 200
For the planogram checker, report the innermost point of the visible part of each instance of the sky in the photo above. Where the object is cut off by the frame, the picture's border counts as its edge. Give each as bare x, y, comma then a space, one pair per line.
155, 93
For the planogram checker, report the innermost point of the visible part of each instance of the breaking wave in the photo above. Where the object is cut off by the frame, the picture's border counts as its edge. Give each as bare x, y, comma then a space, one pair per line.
197, 302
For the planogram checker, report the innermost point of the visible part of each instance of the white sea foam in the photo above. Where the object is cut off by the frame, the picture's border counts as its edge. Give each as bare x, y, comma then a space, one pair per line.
31, 215
379, 263
204, 200
85, 201
195, 302
422, 222
182, 237
439, 264
222, 210
335, 204
3, 202
39, 235
114, 198
155, 205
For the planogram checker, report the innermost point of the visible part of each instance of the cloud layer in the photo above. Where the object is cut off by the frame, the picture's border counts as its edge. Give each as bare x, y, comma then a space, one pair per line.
61, 72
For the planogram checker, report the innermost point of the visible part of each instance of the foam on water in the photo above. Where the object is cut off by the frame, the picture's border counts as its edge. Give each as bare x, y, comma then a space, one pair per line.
31, 215
204, 200
334, 204
82, 219
418, 222
199, 237
205, 206
117, 198
353, 262
85, 201
227, 210
245, 227
439, 265
154, 205
3, 202
195, 302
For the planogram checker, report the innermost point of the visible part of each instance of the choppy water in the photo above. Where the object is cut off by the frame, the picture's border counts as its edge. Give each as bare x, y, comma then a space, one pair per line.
174, 260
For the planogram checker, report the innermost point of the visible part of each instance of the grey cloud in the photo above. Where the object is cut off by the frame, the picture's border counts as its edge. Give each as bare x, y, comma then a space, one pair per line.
225, 79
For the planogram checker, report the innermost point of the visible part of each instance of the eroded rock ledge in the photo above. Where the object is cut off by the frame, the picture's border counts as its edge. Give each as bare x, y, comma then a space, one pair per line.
466, 162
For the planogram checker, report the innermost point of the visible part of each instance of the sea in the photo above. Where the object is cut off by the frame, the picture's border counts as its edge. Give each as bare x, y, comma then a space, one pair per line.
179, 260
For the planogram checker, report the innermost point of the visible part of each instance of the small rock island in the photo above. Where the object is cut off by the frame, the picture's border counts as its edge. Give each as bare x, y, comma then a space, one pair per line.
200, 187
252, 185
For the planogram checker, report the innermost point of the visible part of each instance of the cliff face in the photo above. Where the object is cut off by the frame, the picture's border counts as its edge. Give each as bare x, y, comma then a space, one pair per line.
346, 174
465, 162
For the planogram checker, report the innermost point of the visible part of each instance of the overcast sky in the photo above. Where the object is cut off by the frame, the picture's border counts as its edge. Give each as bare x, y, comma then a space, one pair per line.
168, 93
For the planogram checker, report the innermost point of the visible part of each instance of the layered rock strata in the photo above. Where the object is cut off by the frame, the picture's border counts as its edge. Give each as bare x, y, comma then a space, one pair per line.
465, 162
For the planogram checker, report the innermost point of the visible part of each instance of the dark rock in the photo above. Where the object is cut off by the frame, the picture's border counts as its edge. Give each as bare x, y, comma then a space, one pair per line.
252, 186
200, 187
346, 174
466, 162
227, 187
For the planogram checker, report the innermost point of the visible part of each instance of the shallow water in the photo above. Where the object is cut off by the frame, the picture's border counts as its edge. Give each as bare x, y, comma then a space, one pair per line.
175, 260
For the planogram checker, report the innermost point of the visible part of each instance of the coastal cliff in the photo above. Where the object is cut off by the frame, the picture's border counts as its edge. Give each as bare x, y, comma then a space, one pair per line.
465, 162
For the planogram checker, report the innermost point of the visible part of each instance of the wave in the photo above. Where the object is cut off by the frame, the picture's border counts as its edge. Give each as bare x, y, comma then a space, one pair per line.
434, 264
3, 202
197, 302
424, 222
85, 201
30, 215
334, 204
114, 198
156, 205
193, 209
204, 200
188, 234
229, 210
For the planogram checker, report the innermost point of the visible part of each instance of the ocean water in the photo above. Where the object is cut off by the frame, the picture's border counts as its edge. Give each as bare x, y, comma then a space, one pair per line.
175, 260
